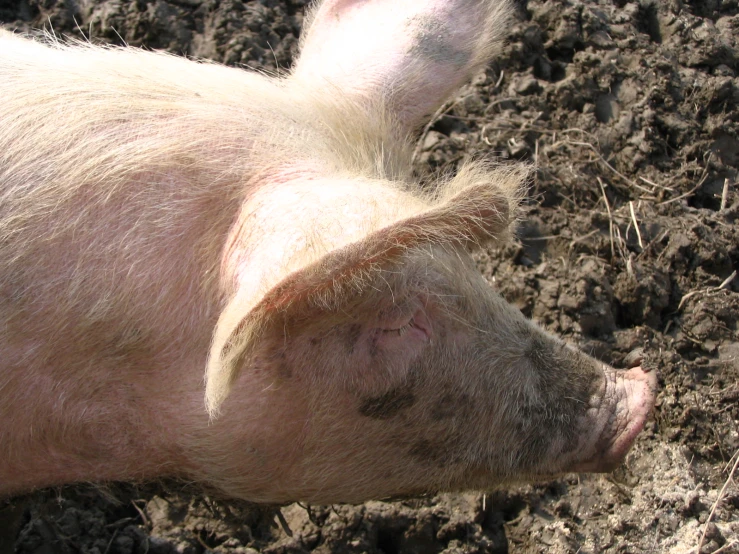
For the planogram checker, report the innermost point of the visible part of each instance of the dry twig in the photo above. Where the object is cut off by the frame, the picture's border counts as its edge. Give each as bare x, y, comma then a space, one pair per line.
636, 224
725, 194
201, 541
110, 542
610, 217
144, 519
283, 523
726, 547
647, 181
500, 79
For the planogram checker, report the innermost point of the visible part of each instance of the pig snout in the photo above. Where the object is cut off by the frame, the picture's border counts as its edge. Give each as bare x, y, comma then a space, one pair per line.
616, 416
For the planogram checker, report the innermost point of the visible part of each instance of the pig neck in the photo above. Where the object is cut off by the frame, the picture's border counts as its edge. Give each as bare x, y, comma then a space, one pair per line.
97, 428
111, 400
111, 424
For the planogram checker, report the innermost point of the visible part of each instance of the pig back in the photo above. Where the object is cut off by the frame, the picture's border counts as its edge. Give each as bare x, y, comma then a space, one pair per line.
120, 175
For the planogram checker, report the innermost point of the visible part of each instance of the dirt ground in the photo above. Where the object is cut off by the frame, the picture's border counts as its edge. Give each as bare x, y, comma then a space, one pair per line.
630, 111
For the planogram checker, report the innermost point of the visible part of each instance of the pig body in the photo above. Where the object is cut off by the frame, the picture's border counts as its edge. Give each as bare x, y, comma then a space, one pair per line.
161, 219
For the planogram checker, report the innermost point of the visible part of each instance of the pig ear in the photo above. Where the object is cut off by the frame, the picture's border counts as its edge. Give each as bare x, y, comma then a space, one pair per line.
468, 210
409, 55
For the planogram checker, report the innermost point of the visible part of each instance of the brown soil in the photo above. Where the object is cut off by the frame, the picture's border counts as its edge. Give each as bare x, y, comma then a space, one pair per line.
629, 110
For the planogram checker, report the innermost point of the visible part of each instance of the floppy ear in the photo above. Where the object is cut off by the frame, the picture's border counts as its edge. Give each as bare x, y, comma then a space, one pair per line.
469, 210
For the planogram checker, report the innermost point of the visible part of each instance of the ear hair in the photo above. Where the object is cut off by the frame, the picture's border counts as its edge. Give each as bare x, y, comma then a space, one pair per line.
475, 206
236, 328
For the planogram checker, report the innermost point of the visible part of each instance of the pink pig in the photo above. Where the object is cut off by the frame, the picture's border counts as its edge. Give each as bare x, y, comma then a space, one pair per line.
162, 219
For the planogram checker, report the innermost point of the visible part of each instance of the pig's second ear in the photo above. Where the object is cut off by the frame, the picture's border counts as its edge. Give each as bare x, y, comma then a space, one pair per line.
478, 205
409, 55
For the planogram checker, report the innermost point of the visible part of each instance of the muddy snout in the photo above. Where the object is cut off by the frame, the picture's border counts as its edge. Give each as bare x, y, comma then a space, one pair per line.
617, 417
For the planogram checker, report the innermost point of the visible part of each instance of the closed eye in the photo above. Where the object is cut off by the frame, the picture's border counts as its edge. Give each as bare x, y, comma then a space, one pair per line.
402, 330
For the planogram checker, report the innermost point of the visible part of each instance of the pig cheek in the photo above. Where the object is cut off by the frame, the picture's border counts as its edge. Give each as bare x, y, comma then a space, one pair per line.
427, 415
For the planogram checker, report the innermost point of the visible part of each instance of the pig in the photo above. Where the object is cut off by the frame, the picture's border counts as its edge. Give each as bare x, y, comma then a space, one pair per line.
233, 279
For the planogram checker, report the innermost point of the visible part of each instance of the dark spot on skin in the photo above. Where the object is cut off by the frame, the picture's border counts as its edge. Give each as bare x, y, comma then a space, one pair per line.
422, 449
315, 341
462, 304
284, 370
540, 355
373, 349
432, 41
353, 332
582, 377
278, 360
442, 453
449, 406
389, 404
441, 332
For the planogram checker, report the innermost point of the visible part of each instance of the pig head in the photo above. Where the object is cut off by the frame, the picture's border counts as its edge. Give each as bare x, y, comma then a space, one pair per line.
161, 217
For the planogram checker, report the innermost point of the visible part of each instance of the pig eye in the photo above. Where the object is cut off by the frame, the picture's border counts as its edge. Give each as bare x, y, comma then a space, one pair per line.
402, 330
418, 323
